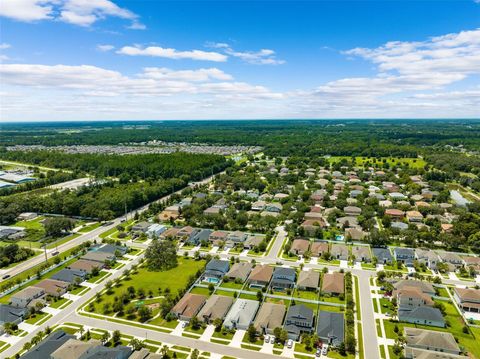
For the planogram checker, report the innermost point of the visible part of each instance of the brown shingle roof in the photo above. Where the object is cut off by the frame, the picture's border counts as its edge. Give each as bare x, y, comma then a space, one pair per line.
262, 273
189, 305
319, 247
333, 283
85, 265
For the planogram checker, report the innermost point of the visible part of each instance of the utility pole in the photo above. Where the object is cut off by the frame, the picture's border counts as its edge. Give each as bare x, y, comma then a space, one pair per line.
45, 247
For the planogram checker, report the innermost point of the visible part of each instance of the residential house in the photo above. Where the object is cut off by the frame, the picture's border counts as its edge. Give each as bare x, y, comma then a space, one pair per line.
218, 237
314, 216
339, 251
78, 349
347, 221
273, 207
55, 288
141, 227
468, 299
27, 297
253, 241
241, 314
401, 226
427, 257
409, 298
425, 287
394, 213
189, 306
299, 246
237, 237
453, 260
436, 341
472, 262
98, 256
260, 276
330, 327
382, 254
85, 266
113, 249
352, 211
201, 236
170, 213
215, 270
362, 254
333, 283
299, 320
216, 307
258, 206
404, 255
308, 280
283, 278
355, 233
414, 216
27, 216
155, 230
423, 315
185, 233
170, 233
46, 347
269, 317
318, 248
11, 314
240, 271
70, 276
311, 226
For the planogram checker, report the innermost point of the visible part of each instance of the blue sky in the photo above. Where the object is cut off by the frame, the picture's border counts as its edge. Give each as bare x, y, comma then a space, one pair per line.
107, 59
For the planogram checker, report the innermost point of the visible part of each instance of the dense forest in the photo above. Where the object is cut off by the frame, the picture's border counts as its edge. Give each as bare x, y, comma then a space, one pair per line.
402, 138
110, 198
126, 167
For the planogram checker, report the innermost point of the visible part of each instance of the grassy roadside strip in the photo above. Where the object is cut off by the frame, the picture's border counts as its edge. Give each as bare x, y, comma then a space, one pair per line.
360, 341
357, 298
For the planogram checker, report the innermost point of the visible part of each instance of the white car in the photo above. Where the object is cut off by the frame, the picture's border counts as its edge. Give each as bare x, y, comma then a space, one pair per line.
184, 324
267, 338
325, 349
272, 340
289, 343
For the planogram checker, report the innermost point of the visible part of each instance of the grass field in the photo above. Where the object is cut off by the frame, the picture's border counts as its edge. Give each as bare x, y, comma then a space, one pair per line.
174, 279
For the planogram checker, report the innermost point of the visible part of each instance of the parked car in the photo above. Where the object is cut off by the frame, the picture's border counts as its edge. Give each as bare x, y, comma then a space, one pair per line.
318, 352
289, 343
325, 349
272, 340
184, 324
267, 338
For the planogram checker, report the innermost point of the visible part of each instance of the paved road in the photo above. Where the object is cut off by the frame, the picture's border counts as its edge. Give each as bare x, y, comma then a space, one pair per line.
67, 314
88, 236
370, 342
278, 241
176, 340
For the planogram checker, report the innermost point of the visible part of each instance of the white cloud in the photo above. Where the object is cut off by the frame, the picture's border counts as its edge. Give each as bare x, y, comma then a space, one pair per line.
261, 57
157, 51
105, 48
4, 46
78, 12
27, 10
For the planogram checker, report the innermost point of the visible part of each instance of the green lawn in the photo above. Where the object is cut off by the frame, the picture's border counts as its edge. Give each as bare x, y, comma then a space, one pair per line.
36, 318
59, 303
98, 277
174, 279
223, 335
386, 306
90, 227
360, 161
201, 290
232, 285
78, 290
306, 294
